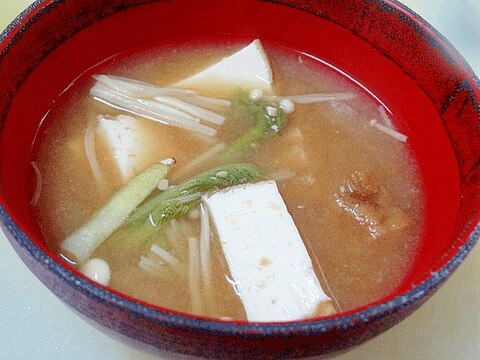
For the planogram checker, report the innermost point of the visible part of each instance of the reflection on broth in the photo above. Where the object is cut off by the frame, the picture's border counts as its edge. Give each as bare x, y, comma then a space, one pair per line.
171, 234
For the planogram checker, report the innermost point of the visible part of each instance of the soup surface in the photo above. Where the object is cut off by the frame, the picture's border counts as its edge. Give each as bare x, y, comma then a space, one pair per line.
352, 190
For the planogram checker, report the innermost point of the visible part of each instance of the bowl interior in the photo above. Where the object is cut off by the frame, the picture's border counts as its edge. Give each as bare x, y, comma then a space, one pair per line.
367, 54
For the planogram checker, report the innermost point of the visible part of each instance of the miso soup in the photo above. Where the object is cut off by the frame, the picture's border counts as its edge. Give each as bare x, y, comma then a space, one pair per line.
345, 174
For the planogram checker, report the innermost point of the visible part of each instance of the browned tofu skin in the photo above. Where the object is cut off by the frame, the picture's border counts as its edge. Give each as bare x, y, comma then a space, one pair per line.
368, 202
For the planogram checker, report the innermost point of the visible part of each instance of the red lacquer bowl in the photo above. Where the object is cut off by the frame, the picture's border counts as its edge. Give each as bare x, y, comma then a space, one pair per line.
387, 50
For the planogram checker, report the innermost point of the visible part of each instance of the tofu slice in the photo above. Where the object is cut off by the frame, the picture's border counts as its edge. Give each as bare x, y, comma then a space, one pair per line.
271, 269
128, 142
248, 68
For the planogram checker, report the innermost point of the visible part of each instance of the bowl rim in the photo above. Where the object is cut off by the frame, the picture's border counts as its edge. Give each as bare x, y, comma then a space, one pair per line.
168, 317
20, 19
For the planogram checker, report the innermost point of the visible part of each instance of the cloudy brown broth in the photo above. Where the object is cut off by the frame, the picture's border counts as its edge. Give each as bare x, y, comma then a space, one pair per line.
321, 147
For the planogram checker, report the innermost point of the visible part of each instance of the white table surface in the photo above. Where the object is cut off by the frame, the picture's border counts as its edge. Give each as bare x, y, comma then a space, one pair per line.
34, 324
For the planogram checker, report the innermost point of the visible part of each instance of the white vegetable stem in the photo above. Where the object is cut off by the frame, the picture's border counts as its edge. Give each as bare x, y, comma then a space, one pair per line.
38, 186
167, 257
201, 159
209, 101
138, 89
90, 151
194, 276
83, 242
315, 98
146, 109
149, 265
389, 131
193, 110
205, 253
159, 104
